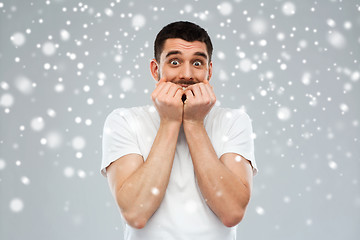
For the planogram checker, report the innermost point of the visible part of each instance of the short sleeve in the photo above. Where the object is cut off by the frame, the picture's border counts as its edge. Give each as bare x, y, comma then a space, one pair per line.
238, 136
119, 138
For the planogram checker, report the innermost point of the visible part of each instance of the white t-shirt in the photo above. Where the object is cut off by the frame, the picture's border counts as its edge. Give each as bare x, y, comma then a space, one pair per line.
183, 212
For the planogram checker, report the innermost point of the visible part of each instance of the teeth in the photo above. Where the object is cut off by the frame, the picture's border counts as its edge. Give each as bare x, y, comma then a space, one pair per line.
184, 88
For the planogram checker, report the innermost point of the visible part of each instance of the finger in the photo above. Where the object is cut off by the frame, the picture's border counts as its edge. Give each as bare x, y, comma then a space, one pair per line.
212, 93
204, 91
190, 89
178, 94
166, 88
209, 97
189, 94
157, 90
209, 90
174, 89
196, 90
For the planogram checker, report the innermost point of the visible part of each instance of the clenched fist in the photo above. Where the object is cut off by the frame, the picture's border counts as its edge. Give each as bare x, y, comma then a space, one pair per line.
200, 98
167, 100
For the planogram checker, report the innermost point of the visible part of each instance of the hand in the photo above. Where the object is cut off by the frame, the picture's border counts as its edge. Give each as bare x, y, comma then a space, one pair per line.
200, 98
167, 100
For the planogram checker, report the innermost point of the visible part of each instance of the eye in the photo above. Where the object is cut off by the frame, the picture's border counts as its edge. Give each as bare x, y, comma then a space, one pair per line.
197, 63
174, 62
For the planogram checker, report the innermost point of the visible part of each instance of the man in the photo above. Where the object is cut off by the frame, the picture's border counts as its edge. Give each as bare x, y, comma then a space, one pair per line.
182, 169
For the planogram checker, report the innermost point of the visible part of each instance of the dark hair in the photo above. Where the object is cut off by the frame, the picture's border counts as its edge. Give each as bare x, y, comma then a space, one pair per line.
187, 31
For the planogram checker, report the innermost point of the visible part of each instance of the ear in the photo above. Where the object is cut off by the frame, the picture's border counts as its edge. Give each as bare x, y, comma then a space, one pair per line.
210, 71
155, 70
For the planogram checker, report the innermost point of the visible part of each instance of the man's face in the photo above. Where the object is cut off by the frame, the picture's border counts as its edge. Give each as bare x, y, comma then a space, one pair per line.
183, 63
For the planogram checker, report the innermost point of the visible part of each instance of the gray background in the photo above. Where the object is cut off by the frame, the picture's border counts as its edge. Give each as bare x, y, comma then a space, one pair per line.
292, 65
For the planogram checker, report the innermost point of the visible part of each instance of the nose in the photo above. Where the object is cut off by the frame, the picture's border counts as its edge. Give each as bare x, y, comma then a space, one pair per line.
186, 72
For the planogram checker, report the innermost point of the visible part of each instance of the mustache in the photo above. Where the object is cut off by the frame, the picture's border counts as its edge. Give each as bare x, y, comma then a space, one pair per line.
186, 82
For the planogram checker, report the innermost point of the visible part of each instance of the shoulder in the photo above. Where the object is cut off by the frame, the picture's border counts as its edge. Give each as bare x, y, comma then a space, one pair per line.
228, 115
125, 119
130, 112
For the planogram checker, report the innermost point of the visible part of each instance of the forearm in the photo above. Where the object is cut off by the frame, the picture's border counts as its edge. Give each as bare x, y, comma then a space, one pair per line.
225, 193
141, 194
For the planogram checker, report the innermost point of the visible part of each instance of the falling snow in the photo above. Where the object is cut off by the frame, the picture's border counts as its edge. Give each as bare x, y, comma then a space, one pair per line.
336, 39
138, 21
2, 164
78, 143
155, 191
333, 165
7, 100
64, 35
127, 84
37, 124
25, 180
288, 8
225, 8
54, 139
18, 39
258, 26
284, 113
259, 210
16, 205
48, 48
69, 172
306, 78
24, 85
245, 65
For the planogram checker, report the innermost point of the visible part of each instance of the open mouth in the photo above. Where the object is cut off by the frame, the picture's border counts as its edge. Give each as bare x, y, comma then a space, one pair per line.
184, 86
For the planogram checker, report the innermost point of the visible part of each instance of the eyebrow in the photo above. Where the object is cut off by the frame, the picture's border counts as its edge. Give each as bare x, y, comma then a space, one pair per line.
201, 54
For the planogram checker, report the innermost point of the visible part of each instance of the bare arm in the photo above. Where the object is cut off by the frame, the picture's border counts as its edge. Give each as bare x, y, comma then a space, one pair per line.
225, 183
139, 186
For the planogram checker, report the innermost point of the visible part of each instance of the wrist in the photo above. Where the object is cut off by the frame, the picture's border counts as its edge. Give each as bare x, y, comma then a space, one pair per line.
192, 125
170, 124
